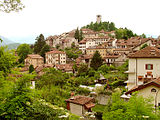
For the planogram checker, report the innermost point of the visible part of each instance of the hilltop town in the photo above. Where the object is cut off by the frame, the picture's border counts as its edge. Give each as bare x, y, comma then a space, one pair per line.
94, 72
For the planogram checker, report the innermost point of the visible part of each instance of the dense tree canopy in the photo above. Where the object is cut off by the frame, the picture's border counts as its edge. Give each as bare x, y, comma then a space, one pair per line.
96, 61
7, 60
23, 50
135, 109
124, 33
106, 26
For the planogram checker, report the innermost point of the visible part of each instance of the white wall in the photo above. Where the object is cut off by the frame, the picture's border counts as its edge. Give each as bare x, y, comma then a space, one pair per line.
141, 70
76, 109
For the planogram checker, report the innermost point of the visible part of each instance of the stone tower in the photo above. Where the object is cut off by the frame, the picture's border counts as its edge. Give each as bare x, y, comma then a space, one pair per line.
99, 18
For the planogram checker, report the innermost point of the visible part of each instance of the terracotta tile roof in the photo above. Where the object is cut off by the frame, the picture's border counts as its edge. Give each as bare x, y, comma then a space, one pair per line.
39, 68
111, 56
89, 105
35, 56
81, 100
83, 41
65, 67
154, 82
55, 52
147, 52
86, 57
122, 49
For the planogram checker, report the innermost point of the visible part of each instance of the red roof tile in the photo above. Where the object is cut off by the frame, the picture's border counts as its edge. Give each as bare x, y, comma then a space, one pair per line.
155, 82
55, 52
147, 52
80, 100
35, 56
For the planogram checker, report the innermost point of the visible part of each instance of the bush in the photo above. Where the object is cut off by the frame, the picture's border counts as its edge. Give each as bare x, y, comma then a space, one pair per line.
31, 68
117, 83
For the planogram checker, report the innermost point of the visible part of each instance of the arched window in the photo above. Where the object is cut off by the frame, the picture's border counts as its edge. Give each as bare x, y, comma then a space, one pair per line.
153, 90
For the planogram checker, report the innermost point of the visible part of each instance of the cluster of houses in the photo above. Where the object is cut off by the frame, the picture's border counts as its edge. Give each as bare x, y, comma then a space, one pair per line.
144, 65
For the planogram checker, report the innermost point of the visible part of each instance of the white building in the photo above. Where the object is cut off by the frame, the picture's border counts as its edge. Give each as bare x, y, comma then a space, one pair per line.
144, 65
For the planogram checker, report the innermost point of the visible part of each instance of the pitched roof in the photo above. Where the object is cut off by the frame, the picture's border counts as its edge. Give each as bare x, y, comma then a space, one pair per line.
81, 100
35, 56
155, 82
55, 52
147, 52
89, 105
66, 67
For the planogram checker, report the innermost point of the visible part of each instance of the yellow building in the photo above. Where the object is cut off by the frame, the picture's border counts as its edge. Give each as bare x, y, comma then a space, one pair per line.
101, 50
35, 60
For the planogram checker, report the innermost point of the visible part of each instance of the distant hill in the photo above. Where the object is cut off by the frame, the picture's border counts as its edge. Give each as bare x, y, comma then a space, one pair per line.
6, 41
9, 43
13, 46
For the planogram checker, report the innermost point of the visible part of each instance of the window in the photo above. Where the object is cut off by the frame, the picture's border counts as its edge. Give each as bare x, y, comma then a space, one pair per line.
153, 90
149, 66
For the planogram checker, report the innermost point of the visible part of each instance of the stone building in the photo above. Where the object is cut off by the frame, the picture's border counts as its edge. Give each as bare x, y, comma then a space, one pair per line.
35, 60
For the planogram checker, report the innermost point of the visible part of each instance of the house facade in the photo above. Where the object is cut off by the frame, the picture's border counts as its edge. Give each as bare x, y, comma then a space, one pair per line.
55, 57
92, 50
143, 66
148, 90
34, 59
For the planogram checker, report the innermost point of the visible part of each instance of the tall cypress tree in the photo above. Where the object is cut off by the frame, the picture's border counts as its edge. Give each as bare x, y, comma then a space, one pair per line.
39, 43
76, 35
96, 61
80, 35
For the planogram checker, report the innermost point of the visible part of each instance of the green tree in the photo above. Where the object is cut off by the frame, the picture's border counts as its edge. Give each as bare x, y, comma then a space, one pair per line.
143, 36
16, 99
45, 49
23, 50
78, 35
11, 5
7, 60
124, 33
143, 46
31, 68
112, 26
39, 44
134, 109
82, 69
96, 61
73, 45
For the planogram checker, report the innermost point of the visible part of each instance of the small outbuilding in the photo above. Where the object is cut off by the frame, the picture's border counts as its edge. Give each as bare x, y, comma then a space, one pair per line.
79, 105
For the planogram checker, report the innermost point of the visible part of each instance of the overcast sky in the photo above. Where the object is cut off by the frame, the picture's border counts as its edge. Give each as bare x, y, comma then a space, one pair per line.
52, 17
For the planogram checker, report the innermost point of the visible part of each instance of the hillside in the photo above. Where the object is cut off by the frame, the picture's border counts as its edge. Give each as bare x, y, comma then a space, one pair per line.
6, 41
13, 46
